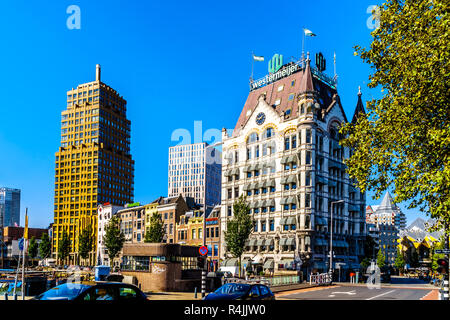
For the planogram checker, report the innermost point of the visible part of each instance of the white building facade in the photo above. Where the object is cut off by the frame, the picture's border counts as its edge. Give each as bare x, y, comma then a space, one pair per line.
104, 212
284, 155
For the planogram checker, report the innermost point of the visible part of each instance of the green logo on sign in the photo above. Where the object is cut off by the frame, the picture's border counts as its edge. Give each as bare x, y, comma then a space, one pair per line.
275, 63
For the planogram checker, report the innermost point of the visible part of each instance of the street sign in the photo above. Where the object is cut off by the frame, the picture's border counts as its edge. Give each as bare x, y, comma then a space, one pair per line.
442, 251
203, 250
21, 244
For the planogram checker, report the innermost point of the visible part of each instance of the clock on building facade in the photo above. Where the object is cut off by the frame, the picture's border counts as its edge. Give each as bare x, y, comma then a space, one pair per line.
260, 118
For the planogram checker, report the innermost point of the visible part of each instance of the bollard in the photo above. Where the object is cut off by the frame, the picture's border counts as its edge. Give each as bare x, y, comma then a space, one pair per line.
15, 296
6, 296
195, 293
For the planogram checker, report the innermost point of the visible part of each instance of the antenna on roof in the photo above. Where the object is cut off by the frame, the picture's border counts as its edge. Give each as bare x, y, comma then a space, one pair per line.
335, 74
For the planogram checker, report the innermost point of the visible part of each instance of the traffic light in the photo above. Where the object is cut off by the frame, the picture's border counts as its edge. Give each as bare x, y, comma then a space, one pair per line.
443, 266
201, 262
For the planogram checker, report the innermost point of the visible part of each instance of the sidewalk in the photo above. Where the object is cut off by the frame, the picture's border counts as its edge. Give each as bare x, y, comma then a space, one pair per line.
173, 295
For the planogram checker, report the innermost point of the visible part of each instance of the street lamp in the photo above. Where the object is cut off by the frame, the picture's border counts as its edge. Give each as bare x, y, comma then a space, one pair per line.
204, 215
331, 237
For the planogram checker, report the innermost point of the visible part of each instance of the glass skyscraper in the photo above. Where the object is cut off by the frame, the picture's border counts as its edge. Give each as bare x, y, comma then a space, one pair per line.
9, 207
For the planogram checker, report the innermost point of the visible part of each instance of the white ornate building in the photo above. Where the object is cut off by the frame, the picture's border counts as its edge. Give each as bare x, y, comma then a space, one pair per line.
285, 156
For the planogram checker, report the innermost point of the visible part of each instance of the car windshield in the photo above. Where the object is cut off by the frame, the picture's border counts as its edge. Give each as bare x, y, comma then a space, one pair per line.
233, 288
66, 291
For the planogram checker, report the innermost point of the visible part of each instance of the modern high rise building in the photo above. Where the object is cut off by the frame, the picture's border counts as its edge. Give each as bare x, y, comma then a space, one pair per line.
189, 173
9, 207
284, 155
9, 214
387, 212
93, 164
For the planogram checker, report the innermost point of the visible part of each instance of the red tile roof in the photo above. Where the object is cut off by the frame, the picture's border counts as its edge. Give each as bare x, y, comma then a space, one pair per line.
272, 94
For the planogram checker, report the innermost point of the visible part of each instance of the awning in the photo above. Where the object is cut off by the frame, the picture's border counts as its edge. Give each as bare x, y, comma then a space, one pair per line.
252, 205
270, 183
235, 171
260, 185
246, 187
270, 202
283, 241
290, 241
246, 169
291, 200
252, 242
320, 221
258, 166
307, 240
227, 173
270, 164
268, 264
284, 201
260, 242
332, 183
320, 179
283, 180
284, 159
290, 220
230, 262
292, 159
283, 221
252, 167
292, 179
252, 186
269, 242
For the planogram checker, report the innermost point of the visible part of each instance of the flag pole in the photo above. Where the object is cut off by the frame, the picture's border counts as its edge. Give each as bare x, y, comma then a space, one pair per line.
251, 78
25, 236
303, 47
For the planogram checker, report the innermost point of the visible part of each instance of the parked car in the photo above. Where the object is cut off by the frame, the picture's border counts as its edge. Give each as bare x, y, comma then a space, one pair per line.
241, 291
93, 291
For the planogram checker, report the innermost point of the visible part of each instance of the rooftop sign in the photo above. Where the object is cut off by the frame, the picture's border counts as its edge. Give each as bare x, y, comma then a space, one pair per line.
130, 205
279, 74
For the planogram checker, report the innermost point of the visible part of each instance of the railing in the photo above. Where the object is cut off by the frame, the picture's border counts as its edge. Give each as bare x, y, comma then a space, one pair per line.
319, 279
268, 281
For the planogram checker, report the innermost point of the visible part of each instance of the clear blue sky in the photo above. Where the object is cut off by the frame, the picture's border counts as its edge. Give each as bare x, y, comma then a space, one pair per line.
175, 62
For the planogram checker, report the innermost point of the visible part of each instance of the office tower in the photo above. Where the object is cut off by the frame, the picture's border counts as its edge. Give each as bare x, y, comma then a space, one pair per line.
93, 164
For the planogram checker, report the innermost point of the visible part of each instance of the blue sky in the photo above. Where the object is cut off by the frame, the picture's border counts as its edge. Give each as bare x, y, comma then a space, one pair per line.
174, 62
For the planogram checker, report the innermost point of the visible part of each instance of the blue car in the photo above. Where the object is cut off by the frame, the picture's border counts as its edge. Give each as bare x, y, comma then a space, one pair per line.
94, 291
241, 291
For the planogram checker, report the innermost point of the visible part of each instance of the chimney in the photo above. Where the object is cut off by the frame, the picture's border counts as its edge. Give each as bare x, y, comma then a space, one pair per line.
97, 72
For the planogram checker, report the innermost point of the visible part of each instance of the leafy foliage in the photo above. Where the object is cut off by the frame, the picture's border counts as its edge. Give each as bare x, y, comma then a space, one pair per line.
404, 138
86, 242
238, 229
45, 246
33, 248
64, 246
399, 260
381, 259
113, 238
155, 233
436, 256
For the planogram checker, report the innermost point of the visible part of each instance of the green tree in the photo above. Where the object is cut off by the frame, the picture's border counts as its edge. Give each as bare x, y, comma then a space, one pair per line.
399, 260
33, 248
403, 141
64, 247
365, 263
45, 246
238, 229
85, 242
155, 232
113, 239
381, 259
436, 256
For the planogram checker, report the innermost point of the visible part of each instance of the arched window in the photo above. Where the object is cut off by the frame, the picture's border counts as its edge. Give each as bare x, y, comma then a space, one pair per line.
253, 138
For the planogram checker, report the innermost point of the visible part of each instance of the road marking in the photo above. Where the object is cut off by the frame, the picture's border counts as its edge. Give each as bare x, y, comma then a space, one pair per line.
380, 295
333, 294
288, 293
